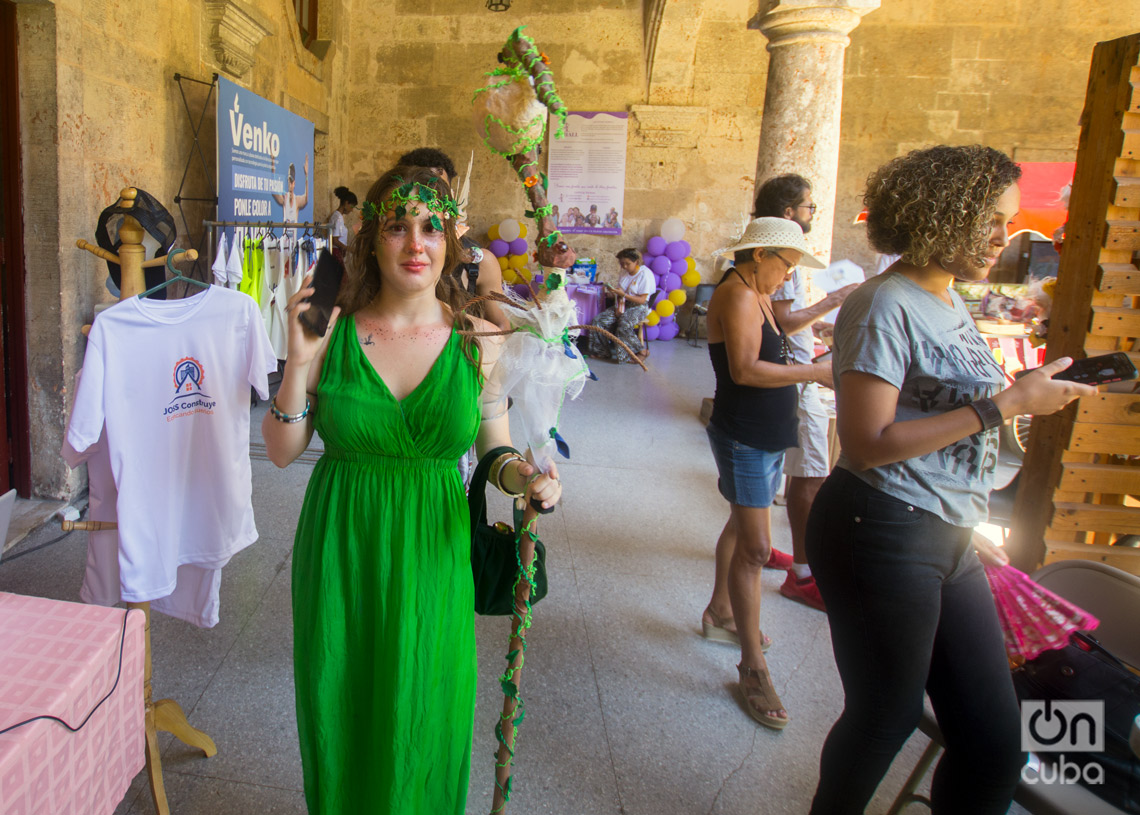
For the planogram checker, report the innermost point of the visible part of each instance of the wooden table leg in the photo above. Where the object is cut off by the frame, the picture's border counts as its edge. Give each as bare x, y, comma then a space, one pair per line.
165, 715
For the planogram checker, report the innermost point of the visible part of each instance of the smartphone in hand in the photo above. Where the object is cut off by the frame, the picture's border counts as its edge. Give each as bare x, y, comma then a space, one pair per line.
1099, 370
326, 282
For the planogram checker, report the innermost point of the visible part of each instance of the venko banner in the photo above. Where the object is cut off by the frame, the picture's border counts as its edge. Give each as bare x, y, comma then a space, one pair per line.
264, 159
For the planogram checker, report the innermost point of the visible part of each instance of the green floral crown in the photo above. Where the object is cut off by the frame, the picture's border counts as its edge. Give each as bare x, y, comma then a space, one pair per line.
400, 199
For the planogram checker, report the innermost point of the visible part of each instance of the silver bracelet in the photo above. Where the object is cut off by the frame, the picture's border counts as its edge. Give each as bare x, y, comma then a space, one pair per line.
288, 418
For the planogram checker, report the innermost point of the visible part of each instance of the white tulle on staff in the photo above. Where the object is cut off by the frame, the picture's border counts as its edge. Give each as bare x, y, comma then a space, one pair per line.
539, 368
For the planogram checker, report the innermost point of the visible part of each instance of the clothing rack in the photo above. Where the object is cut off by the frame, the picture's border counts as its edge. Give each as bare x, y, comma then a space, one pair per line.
322, 230
164, 715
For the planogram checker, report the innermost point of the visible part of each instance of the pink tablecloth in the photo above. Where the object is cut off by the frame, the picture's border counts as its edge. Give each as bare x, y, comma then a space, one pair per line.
60, 659
587, 297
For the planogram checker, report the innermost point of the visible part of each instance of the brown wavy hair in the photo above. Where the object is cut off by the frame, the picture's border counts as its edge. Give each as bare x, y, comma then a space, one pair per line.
362, 276
937, 204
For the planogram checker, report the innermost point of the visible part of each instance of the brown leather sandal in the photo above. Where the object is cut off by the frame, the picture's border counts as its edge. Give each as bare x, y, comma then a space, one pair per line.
715, 629
760, 697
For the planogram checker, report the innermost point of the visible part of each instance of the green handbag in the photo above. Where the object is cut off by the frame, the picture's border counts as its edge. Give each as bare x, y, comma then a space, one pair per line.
494, 550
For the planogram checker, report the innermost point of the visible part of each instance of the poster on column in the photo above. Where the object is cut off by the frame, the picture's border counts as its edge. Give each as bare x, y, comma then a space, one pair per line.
586, 171
265, 158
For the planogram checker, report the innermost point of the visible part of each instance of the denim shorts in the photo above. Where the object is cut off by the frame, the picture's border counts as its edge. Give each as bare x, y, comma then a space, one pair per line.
748, 477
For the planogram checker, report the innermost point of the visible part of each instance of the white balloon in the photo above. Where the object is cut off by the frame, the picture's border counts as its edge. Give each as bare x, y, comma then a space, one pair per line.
509, 230
672, 230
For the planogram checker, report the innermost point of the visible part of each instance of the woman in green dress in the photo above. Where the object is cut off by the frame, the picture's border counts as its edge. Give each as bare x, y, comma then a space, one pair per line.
383, 616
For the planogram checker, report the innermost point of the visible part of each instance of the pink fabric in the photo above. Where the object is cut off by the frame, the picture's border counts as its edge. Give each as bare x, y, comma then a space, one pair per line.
60, 659
1033, 619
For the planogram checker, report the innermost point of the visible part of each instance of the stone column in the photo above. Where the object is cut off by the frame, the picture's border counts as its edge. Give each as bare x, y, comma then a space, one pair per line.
804, 96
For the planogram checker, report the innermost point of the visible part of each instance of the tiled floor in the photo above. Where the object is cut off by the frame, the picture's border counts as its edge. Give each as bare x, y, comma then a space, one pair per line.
629, 710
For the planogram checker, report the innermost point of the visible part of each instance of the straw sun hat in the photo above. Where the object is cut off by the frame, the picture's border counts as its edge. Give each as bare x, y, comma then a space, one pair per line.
775, 233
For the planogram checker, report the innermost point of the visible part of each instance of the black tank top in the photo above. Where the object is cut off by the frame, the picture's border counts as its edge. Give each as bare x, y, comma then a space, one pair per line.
764, 418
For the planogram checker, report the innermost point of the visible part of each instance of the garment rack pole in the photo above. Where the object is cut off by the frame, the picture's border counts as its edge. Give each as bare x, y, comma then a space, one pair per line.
212, 227
165, 714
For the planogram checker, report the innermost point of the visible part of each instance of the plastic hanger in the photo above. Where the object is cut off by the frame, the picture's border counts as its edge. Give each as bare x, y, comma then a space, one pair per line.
177, 276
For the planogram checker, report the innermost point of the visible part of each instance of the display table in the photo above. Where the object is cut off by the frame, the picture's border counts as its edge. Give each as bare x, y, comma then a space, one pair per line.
60, 659
587, 298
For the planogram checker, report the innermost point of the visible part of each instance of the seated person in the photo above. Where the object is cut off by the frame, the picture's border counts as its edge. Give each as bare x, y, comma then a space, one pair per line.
635, 287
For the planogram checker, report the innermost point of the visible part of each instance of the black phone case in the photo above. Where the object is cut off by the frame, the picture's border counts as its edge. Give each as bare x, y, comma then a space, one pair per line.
1099, 370
326, 282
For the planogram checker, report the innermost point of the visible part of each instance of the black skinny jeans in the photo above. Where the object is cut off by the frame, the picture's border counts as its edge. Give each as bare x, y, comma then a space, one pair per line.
910, 610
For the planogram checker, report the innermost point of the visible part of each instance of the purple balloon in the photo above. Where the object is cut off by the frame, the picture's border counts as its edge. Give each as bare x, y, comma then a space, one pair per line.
651, 332
679, 267
656, 245
677, 250
667, 331
657, 280
499, 248
672, 282
518, 246
647, 260
661, 265
666, 320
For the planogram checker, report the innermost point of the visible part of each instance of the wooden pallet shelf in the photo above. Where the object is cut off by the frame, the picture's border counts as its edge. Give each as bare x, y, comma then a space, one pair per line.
1082, 465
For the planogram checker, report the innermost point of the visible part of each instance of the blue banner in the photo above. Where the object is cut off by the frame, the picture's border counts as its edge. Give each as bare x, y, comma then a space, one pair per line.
265, 156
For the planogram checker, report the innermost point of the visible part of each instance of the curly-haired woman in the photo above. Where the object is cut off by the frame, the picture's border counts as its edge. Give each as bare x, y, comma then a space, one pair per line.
919, 404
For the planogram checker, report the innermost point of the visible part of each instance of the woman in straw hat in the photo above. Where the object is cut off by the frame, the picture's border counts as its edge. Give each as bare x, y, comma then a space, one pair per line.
919, 405
753, 421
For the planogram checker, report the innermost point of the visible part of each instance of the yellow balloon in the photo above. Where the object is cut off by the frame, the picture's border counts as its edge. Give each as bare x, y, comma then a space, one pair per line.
517, 261
522, 229
690, 279
509, 275
503, 264
691, 263
653, 319
493, 232
677, 297
524, 274
665, 308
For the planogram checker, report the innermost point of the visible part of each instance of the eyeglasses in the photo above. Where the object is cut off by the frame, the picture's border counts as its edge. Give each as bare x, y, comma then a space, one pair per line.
787, 263
809, 207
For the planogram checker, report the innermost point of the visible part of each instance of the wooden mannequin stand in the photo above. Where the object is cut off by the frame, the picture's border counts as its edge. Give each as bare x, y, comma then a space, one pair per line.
165, 714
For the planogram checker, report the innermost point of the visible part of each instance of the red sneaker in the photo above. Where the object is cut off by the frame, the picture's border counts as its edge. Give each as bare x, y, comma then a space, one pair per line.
803, 591
779, 560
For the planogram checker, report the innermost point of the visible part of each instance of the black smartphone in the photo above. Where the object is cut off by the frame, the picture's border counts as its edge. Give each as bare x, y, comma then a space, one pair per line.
326, 282
1099, 370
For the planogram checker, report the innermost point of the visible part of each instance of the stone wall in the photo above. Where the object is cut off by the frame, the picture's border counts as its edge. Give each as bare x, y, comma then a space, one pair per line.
413, 69
100, 110
922, 73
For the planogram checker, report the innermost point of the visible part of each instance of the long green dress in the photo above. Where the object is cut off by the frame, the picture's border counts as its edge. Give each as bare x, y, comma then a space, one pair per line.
383, 602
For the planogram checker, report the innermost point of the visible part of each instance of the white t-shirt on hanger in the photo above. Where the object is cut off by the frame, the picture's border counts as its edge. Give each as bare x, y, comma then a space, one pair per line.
220, 261
234, 269
171, 379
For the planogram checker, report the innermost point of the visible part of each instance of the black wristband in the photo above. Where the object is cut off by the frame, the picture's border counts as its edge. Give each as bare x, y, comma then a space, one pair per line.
988, 412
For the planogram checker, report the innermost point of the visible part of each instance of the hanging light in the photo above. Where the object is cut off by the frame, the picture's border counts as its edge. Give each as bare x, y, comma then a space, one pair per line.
498, 5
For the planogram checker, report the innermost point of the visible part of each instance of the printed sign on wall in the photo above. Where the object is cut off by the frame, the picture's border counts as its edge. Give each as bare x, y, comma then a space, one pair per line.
587, 172
265, 156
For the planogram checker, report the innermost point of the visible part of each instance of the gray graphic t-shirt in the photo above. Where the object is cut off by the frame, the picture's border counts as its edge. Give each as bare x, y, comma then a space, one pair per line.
893, 328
